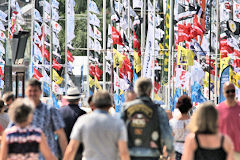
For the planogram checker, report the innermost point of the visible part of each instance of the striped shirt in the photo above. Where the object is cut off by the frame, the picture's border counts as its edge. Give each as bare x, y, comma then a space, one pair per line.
23, 143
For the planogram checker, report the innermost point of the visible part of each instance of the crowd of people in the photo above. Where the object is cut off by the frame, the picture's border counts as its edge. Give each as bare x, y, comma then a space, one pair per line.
31, 129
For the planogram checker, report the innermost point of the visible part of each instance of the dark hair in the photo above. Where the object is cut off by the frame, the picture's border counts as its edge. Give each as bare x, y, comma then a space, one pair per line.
34, 82
8, 96
102, 99
90, 99
20, 110
1, 103
184, 104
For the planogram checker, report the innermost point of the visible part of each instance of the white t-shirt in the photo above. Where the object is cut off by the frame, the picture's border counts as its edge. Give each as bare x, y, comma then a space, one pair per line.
180, 132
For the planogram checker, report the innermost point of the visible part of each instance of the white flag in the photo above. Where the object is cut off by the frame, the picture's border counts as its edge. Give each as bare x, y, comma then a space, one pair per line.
46, 78
47, 30
56, 54
157, 47
94, 20
116, 81
108, 68
91, 43
116, 6
158, 20
109, 42
55, 39
92, 6
97, 33
37, 16
109, 29
97, 46
137, 4
56, 88
55, 14
236, 11
56, 27
37, 28
70, 21
3, 16
109, 56
46, 5
2, 36
124, 22
46, 17
91, 34
2, 28
2, 49
159, 33
37, 40
37, 52
123, 84
55, 4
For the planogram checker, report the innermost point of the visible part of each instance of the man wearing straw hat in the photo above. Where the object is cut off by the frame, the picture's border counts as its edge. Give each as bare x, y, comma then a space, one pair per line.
71, 112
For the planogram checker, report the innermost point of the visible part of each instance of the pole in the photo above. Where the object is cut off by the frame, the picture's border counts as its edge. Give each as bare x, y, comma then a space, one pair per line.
153, 46
32, 21
171, 37
104, 44
143, 32
216, 52
66, 31
50, 52
87, 49
210, 39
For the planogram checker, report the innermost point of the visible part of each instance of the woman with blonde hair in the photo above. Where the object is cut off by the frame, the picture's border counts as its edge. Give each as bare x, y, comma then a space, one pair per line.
23, 141
205, 142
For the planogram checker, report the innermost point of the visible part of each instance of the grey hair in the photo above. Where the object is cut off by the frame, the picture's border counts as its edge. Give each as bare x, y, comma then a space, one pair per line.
102, 99
143, 86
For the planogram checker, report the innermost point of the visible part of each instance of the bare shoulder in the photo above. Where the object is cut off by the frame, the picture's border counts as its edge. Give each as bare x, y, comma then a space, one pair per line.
190, 139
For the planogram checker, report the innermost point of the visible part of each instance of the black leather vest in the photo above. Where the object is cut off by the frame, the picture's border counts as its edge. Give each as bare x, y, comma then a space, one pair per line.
141, 118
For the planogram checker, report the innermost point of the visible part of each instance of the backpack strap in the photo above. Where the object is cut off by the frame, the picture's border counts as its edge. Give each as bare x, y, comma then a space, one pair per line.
222, 140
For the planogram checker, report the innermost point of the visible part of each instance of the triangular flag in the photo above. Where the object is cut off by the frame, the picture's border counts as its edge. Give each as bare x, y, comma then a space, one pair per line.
57, 79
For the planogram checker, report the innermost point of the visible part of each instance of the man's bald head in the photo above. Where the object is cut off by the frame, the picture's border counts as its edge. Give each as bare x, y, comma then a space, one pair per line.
229, 91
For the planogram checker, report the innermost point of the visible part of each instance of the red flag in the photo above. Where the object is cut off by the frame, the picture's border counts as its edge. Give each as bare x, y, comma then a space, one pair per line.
197, 28
1, 72
56, 65
98, 72
156, 87
37, 74
92, 70
136, 43
69, 56
184, 32
46, 53
116, 37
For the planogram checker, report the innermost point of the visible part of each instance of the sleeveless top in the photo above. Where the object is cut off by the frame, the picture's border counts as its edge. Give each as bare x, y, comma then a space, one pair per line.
23, 143
210, 154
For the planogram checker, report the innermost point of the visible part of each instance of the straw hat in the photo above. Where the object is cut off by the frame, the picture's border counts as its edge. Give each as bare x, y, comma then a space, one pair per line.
73, 93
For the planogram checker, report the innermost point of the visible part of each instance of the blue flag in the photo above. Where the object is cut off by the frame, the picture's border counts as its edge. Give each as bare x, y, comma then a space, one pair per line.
135, 77
176, 96
196, 94
224, 78
117, 102
46, 89
55, 102
90, 92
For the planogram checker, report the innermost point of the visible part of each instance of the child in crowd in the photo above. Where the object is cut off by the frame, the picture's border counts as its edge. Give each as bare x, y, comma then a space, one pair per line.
23, 141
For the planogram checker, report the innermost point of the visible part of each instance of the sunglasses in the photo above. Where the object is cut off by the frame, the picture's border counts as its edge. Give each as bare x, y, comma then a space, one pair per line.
232, 90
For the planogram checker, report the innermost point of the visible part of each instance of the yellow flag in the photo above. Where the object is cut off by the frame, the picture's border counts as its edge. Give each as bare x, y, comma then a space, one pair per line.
206, 80
118, 58
57, 79
234, 78
97, 84
91, 82
224, 62
137, 62
185, 56
121, 92
156, 97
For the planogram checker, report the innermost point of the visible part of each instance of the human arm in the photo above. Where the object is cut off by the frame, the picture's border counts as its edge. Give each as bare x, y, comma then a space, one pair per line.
4, 147
62, 139
123, 150
45, 150
166, 132
228, 147
189, 147
71, 150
